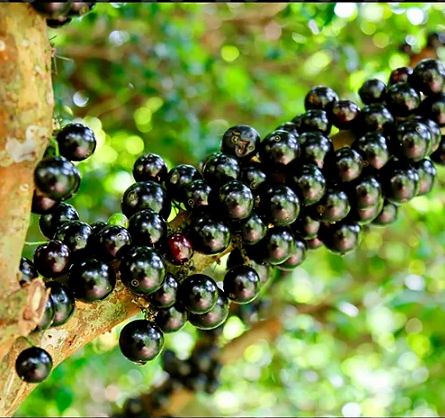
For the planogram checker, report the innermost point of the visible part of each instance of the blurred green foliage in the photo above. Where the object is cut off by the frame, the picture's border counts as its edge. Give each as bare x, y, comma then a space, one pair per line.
170, 79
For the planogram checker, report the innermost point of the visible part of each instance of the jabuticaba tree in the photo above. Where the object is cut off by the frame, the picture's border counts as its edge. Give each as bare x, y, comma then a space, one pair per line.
267, 201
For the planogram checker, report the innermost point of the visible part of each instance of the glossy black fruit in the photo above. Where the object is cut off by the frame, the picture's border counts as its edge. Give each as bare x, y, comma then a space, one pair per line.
197, 195
63, 302
279, 205
96, 227
112, 242
242, 284
342, 237
343, 114
402, 99
235, 200
316, 148
27, 271
318, 97
275, 248
253, 175
142, 270
179, 177
298, 255
198, 293
309, 183
373, 148
58, 23
372, 91
400, 75
165, 296
250, 230
412, 141
428, 76
438, 156
240, 141
75, 235
57, 178
76, 142
91, 280
367, 215
34, 364
150, 167
307, 226
278, 150
171, 319
314, 244
42, 204
375, 118
146, 195
49, 222
221, 168
209, 236
288, 127
334, 206
434, 129
146, 228
365, 192
235, 258
48, 316
52, 259
347, 164
400, 183
178, 249
387, 216
215, 317
52, 10
433, 107
427, 174
314, 120
141, 341
80, 8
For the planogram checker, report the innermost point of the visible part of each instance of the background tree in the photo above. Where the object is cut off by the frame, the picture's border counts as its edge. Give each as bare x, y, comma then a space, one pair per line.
362, 334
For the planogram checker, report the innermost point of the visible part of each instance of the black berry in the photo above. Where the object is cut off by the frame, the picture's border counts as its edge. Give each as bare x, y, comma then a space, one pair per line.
209, 236
52, 259
221, 168
235, 200
334, 206
27, 271
373, 148
375, 118
402, 99
42, 204
412, 141
63, 301
365, 192
433, 107
197, 195
171, 319
178, 178
318, 97
150, 167
428, 76
438, 156
146, 228
343, 114
342, 237
48, 316
279, 205
307, 226
314, 120
250, 230
215, 317
400, 75
387, 215
165, 296
372, 91
75, 235
34, 364
112, 242
288, 127
198, 293
278, 150
49, 222
76, 142
242, 284
52, 10
178, 249
309, 183
347, 164
253, 175
298, 255
427, 174
316, 148
400, 183
240, 141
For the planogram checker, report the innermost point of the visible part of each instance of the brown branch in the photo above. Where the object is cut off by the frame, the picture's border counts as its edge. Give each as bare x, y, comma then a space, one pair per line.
27, 102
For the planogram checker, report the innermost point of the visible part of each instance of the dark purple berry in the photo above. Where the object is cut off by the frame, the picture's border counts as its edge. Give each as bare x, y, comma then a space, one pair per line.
373, 148
298, 255
314, 120
365, 192
221, 168
347, 164
387, 216
316, 148
150, 167
253, 175
278, 150
235, 200
372, 91
75, 235
343, 114
400, 183
342, 237
434, 129
34, 364
146, 228
171, 319
400, 75
57, 178
318, 97
80, 8
141, 341
197, 195
314, 244
178, 178
48, 316
412, 141
250, 230
198, 293
428, 76
76, 142
58, 23
52, 10
279, 205
307, 226
96, 227
402, 99
165, 296
438, 156
433, 107
142, 270
146, 195
52, 259
49, 222
91, 280
178, 249
63, 301
215, 317
209, 236
288, 127
112, 242
27, 271
240, 141
375, 118
42, 204
427, 173
334, 206
242, 284
309, 183
367, 215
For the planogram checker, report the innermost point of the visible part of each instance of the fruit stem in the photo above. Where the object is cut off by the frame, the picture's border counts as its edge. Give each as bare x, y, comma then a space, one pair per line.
56, 146
35, 243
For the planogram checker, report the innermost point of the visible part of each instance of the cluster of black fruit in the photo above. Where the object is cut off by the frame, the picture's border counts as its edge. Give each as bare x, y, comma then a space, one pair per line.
56, 179
198, 373
60, 14
271, 200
